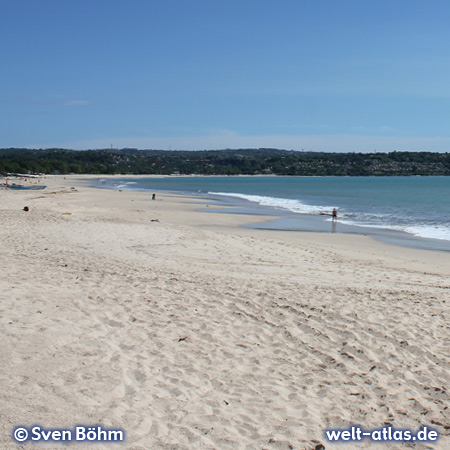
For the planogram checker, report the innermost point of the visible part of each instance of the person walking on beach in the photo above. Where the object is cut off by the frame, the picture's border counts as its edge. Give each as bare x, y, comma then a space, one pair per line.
334, 215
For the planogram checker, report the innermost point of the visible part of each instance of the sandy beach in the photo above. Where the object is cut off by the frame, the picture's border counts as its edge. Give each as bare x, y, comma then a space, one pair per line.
190, 332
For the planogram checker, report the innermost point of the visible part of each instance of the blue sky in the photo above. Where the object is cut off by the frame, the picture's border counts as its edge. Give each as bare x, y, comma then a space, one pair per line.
342, 75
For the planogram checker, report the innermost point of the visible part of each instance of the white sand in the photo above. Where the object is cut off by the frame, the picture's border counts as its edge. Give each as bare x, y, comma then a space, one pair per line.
191, 333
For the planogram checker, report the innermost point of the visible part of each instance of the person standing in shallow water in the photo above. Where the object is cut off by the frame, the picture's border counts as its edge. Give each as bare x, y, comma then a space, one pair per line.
334, 215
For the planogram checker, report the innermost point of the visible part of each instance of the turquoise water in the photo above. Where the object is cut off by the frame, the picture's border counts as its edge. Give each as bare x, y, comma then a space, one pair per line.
419, 206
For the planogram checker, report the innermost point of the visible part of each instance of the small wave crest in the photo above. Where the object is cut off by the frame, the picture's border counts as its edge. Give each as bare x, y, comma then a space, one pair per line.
429, 231
419, 230
124, 185
295, 206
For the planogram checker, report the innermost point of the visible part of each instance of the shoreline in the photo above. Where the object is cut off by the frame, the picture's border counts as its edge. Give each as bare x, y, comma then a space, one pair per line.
194, 208
285, 220
188, 330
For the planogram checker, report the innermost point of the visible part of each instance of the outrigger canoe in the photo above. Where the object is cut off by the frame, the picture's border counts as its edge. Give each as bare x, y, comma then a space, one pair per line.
18, 186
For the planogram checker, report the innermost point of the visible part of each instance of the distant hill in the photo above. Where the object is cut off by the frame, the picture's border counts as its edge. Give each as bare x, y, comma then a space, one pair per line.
222, 162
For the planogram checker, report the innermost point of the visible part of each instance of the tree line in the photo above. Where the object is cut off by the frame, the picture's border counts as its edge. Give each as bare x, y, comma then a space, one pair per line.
222, 162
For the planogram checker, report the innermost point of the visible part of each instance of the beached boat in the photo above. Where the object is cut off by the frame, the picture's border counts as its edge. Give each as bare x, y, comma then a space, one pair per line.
19, 186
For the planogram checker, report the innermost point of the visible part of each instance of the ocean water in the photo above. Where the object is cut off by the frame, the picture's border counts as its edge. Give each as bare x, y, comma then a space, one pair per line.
418, 206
